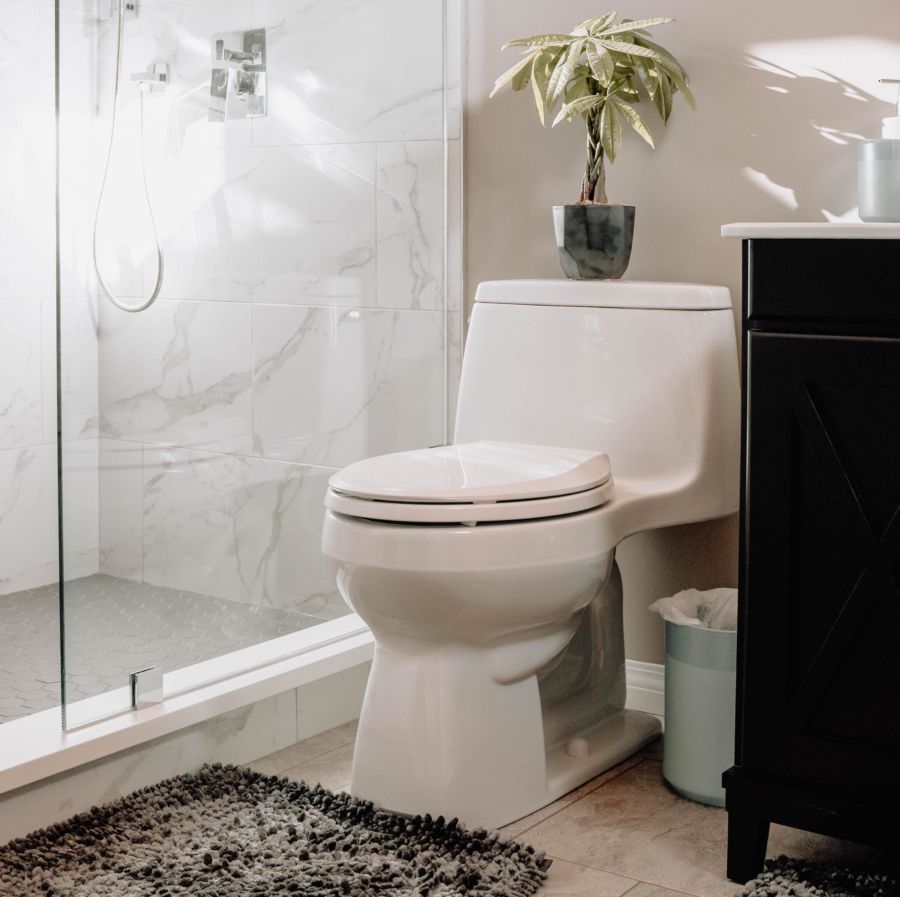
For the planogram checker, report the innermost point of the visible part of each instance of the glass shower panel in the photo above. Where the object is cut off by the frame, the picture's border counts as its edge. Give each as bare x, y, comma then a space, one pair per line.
29, 591
295, 156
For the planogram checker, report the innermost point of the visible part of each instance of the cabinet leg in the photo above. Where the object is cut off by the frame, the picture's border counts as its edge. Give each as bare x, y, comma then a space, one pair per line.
748, 836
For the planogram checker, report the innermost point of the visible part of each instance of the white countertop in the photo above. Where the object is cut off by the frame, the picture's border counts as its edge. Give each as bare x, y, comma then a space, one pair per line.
812, 230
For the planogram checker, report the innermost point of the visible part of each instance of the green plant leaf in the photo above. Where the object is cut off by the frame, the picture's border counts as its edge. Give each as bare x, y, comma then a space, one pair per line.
639, 25
666, 59
601, 62
663, 98
675, 71
539, 103
540, 40
626, 48
581, 106
598, 22
563, 72
544, 63
610, 131
513, 74
647, 75
626, 87
633, 118
580, 86
684, 90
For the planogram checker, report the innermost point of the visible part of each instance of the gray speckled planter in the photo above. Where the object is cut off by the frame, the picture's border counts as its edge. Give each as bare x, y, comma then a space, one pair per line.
594, 241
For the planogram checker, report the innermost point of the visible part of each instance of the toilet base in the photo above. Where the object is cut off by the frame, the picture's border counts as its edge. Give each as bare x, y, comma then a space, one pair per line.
439, 735
611, 741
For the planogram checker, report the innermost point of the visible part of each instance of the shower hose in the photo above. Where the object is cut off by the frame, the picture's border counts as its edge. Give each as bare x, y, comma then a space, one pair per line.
143, 303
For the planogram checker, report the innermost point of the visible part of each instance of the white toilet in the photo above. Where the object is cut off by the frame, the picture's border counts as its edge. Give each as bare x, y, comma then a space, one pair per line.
587, 411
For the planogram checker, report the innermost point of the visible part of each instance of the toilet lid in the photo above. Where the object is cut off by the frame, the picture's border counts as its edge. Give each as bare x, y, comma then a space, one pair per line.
474, 472
478, 482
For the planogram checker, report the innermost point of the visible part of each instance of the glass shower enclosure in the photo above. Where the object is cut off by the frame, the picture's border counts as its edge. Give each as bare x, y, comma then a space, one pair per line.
228, 267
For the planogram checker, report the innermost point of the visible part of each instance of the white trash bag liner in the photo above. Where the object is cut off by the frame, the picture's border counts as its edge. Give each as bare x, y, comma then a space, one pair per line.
711, 609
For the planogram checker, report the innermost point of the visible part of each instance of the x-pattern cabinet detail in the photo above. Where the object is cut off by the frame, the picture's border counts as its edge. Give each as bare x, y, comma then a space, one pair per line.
818, 713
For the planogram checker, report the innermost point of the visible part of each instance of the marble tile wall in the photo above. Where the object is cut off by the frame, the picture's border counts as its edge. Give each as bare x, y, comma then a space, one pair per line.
28, 380
310, 312
306, 309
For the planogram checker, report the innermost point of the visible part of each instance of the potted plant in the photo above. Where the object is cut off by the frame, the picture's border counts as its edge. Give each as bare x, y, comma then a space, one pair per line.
599, 72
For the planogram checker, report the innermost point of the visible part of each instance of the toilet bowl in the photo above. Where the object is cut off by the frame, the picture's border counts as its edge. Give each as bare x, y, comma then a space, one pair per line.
486, 569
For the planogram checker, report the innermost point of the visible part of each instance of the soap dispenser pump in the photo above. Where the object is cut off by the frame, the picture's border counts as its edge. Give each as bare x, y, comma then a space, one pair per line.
878, 169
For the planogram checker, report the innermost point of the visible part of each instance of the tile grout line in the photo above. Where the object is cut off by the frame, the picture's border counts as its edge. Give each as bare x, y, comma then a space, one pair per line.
582, 797
307, 760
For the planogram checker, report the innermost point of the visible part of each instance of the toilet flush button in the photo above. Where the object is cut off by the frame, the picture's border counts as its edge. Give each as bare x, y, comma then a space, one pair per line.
578, 747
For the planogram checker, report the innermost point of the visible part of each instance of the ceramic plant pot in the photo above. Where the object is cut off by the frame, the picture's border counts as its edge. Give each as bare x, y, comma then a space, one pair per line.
594, 241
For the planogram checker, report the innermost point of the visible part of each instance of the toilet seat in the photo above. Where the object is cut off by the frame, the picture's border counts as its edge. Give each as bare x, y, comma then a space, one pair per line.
471, 483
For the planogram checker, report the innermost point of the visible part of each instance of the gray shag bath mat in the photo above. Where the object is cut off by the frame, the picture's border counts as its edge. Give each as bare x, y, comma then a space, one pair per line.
787, 877
230, 832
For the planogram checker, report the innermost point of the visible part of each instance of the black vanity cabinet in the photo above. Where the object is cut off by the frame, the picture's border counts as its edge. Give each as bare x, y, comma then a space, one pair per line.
818, 713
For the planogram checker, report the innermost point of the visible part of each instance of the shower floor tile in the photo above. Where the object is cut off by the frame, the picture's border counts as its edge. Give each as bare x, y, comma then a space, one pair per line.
116, 626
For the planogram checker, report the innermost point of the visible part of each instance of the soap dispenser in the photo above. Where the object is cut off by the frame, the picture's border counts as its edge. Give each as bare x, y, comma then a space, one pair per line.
878, 170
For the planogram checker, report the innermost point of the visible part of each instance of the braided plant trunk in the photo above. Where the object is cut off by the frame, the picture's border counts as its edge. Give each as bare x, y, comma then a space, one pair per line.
593, 187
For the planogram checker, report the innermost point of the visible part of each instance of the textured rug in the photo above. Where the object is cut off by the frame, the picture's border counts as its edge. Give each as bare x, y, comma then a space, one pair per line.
230, 832
797, 878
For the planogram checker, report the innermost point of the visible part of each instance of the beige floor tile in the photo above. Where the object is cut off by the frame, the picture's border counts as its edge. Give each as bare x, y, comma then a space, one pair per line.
637, 827
514, 829
646, 890
331, 770
571, 880
304, 751
654, 750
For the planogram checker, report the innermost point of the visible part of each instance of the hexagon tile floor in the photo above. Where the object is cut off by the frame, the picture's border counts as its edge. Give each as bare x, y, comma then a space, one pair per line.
113, 627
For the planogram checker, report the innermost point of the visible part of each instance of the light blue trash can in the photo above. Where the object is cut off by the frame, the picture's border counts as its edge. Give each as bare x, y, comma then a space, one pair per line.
701, 669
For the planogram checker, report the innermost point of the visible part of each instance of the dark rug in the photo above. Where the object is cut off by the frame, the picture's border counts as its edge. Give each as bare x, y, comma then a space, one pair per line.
798, 878
227, 831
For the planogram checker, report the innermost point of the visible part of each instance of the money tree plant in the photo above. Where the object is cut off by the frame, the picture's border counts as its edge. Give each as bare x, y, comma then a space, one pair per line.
599, 72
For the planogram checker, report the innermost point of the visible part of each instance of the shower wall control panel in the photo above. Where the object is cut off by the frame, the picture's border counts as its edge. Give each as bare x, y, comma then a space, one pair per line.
238, 80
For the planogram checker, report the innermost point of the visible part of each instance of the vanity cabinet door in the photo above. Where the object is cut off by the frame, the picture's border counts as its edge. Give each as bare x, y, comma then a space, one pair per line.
819, 689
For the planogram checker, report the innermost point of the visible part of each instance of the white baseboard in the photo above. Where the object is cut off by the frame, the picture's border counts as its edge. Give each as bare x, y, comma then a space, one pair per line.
646, 687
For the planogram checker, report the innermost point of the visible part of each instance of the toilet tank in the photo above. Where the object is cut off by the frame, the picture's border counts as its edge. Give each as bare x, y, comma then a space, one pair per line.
646, 372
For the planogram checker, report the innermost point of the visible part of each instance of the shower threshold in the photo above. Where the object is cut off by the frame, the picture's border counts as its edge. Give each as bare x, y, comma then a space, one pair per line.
200, 681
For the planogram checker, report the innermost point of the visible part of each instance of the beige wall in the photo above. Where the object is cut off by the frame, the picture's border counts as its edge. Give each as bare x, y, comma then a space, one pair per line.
783, 88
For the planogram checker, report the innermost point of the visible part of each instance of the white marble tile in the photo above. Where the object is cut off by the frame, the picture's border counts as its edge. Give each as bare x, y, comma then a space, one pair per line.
175, 121
346, 71
177, 373
82, 135
20, 373
454, 366
28, 514
454, 43
180, 34
286, 224
411, 224
235, 737
332, 386
454, 240
245, 529
121, 509
28, 533
81, 515
26, 155
80, 368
